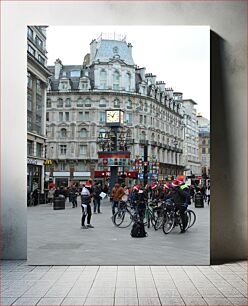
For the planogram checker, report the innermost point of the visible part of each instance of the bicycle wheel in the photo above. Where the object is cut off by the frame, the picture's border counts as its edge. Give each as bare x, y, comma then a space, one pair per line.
122, 218
192, 218
168, 223
159, 221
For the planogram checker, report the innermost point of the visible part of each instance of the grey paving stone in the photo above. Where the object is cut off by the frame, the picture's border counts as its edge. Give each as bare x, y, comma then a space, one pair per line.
167, 301
194, 301
147, 292
239, 301
217, 301
166, 292
101, 292
79, 292
26, 301
74, 301
7, 300
229, 291
126, 292
75, 269
50, 301
58, 291
149, 301
108, 268
99, 301
122, 301
125, 283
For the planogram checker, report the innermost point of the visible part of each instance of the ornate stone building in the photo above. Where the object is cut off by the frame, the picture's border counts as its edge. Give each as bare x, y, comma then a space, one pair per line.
37, 79
204, 144
78, 96
191, 139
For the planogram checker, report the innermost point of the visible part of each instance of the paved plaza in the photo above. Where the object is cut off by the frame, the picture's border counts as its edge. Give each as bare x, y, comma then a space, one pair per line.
55, 238
22, 284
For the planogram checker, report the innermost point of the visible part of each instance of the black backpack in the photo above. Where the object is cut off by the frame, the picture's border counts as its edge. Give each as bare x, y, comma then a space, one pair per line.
138, 230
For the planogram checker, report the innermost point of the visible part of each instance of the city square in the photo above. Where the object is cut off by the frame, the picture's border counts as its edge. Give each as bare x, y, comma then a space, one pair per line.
63, 242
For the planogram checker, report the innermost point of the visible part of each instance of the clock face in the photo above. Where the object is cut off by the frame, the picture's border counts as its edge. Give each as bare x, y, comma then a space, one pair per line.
113, 116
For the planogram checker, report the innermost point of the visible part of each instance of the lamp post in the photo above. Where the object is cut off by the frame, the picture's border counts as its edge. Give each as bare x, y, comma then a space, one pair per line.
175, 142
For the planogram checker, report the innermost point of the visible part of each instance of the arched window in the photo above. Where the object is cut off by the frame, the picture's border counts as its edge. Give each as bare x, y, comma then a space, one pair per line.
68, 102
116, 80
117, 103
143, 135
128, 81
48, 103
129, 104
152, 137
83, 133
88, 102
103, 103
60, 103
80, 102
63, 133
145, 107
103, 79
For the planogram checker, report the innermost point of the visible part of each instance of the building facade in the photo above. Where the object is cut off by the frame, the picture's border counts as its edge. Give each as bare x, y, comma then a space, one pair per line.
78, 96
191, 140
204, 144
37, 79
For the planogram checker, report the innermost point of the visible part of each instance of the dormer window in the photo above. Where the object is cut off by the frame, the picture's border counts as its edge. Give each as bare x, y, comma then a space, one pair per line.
84, 84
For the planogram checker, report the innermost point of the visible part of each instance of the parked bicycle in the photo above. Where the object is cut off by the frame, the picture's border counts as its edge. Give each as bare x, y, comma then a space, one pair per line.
124, 216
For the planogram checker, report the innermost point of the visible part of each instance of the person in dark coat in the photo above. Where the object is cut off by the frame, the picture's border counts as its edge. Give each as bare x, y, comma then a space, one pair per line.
180, 198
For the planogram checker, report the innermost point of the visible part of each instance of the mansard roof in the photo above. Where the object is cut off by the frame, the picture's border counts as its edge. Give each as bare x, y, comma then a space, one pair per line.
107, 49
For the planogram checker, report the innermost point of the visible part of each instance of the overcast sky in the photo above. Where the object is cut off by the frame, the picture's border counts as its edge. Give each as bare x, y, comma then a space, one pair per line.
177, 55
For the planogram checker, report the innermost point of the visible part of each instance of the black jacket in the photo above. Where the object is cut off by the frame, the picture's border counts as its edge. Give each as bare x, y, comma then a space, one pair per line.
179, 196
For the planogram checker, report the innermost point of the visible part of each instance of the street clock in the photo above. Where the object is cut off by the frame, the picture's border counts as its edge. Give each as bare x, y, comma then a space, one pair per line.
114, 117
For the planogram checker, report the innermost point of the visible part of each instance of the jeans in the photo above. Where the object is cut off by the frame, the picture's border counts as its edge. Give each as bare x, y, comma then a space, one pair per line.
86, 211
74, 201
115, 204
97, 203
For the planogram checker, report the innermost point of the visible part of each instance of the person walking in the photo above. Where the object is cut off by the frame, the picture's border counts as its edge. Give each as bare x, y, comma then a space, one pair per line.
208, 194
96, 197
116, 194
86, 207
73, 193
50, 195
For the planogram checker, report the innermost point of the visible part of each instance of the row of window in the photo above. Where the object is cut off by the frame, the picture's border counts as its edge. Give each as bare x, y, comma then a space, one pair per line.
85, 116
35, 38
40, 58
87, 103
116, 77
34, 149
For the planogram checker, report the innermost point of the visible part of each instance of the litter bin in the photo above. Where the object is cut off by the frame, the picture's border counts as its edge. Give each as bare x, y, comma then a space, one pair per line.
59, 203
199, 200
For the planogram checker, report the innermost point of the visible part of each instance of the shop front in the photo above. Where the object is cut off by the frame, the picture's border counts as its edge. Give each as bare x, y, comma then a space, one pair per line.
35, 180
